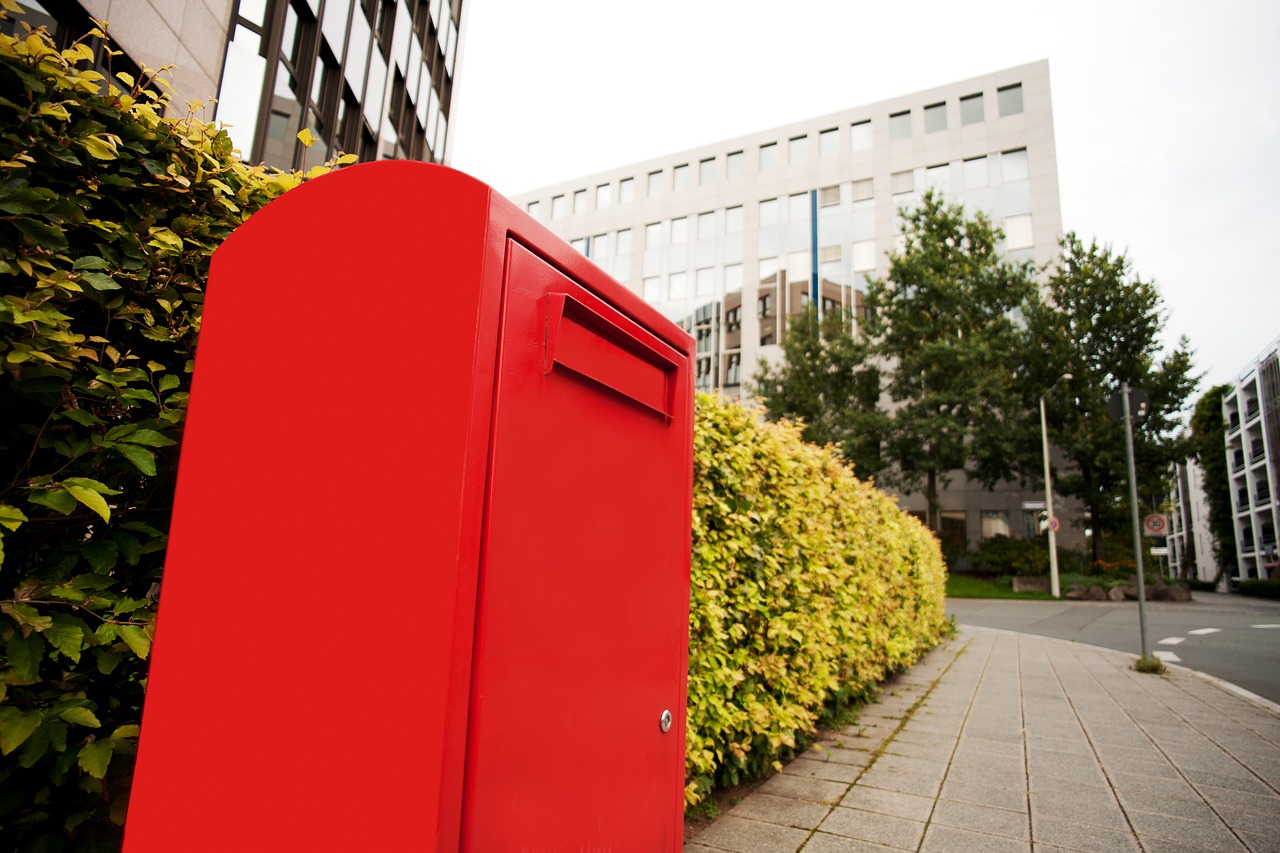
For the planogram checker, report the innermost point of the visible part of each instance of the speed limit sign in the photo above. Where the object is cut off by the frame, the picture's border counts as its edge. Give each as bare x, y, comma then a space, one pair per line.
1156, 525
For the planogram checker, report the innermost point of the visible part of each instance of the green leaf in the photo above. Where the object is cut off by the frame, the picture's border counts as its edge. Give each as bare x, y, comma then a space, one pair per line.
136, 639
56, 499
42, 234
81, 716
149, 437
91, 499
16, 726
168, 383
11, 517
99, 281
91, 262
66, 634
99, 147
94, 485
28, 201
126, 731
144, 460
26, 615
94, 758
25, 654
101, 555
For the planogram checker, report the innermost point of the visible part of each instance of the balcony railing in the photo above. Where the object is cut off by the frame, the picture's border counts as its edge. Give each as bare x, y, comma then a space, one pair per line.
1233, 423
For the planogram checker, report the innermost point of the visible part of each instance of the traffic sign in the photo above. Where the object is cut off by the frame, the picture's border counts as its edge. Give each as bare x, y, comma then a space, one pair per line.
1139, 403
1053, 524
1155, 525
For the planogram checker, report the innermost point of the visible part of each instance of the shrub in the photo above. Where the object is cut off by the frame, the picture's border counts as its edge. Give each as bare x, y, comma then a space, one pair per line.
1261, 588
1003, 555
109, 214
808, 587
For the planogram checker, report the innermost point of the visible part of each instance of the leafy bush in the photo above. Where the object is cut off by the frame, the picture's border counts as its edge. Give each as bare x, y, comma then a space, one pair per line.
1003, 555
809, 587
1261, 588
109, 214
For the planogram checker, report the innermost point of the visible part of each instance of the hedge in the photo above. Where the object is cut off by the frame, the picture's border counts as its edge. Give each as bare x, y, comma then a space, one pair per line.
809, 587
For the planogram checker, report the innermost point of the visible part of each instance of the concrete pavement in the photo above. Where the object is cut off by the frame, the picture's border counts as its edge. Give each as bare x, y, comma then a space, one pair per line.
999, 741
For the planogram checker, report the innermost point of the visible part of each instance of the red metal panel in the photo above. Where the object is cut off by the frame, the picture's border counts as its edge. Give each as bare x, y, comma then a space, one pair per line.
583, 603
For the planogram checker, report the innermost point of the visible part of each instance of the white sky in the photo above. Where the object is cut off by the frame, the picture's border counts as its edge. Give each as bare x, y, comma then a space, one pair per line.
1166, 114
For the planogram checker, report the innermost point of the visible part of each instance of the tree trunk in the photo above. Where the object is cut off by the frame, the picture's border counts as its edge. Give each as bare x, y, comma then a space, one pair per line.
932, 517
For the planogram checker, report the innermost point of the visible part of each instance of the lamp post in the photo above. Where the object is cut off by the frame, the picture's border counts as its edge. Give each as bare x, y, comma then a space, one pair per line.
1048, 489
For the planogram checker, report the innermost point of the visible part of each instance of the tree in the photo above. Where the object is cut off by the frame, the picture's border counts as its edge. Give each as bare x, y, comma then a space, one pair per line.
826, 381
1208, 444
944, 327
1100, 322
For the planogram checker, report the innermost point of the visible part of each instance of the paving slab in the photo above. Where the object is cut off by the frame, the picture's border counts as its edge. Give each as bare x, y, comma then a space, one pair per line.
1000, 741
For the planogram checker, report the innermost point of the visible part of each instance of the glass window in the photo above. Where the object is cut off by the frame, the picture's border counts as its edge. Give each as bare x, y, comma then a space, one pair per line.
733, 220
734, 164
954, 528
971, 109
863, 189
653, 235
769, 213
975, 173
558, 208
733, 278
798, 207
861, 133
798, 150
679, 231
938, 177
704, 282
655, 183
829, 143
244, 72
994, 523
900, 125
358, 52
579, 245
599, 246
579, 202
864, 255
902, 182
1010, 99
676, 288
1013, 165
626, 190
706, 225
624, 242
768, 156
707, 170
829, 196
651, 289
680, 176
1017, 231
935, 117
604, 196
534, 209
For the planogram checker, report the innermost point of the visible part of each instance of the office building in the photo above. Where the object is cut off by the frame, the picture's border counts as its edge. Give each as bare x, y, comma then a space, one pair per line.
734, 238
371, 77
1251, 410
1190, 541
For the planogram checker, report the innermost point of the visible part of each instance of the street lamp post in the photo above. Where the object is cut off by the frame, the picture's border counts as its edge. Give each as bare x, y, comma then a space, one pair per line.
1048, 489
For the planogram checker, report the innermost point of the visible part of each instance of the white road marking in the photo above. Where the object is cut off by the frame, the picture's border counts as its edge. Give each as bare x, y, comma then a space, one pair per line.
1199, 631
1171, 641
1167, 657
1264, 626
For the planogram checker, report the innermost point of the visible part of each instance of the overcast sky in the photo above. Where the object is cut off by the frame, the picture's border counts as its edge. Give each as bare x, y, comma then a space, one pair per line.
1166, 114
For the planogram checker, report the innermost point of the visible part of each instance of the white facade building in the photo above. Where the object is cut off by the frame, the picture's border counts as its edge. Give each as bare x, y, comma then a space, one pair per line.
1190, 540
1252, 412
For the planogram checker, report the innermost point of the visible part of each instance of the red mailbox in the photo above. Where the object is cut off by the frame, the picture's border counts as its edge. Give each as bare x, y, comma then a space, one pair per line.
428, 576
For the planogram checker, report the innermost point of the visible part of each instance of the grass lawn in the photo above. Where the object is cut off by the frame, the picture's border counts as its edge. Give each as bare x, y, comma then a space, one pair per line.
968, 586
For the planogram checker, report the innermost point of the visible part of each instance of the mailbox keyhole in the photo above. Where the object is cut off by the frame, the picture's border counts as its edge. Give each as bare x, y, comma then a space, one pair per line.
664, 722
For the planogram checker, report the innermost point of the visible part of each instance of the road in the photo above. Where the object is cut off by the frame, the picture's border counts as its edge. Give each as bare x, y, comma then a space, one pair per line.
1232, 637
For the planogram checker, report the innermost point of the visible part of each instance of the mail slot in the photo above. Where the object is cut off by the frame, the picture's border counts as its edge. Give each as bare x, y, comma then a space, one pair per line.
428, 576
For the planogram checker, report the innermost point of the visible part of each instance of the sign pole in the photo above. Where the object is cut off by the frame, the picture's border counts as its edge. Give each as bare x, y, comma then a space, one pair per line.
1137, 526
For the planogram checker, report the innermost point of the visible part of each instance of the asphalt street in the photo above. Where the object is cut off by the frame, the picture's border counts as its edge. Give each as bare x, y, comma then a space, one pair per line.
1232, 637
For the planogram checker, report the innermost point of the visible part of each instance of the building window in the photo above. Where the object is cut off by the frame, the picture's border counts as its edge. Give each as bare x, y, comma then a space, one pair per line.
680, 177
971, 109
829, 196
863, 189
624, 242
676, 286
1013, 165
864, 255
975, 173
900, 125
579, 202
579, 245
768, 156
769, 213
797, 150
679, 231
534, 209
954, 529
732, 366
626, 190
558, 208
733, 220
707, 171
938, 177
652, 290
655, 183
1010, 99
902, 182
764, 306
599, 246
994, 523
604, 196
706, 225
935, 118
704, 281
733, 280
1017, 231
734, 164
733, 319
653, 235
861, 134
829, 143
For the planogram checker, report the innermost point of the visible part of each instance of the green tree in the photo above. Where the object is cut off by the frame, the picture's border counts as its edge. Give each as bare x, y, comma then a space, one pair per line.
1101, 322
1208, 444
109, 214
944, 325
826, 381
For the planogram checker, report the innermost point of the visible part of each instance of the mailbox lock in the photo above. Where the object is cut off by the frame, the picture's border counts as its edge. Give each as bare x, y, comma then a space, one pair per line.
664, 722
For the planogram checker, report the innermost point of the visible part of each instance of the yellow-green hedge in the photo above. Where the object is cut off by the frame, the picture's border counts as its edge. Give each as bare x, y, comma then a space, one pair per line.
808, 586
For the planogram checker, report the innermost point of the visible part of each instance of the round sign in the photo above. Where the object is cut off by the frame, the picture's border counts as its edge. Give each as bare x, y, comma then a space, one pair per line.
1155, 525
1053, 524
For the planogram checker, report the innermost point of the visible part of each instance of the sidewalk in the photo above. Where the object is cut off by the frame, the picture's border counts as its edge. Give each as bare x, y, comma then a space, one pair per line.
998, 741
